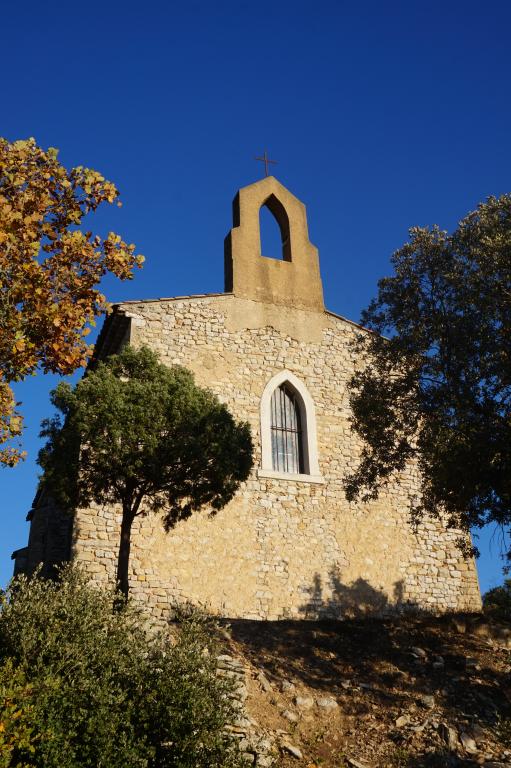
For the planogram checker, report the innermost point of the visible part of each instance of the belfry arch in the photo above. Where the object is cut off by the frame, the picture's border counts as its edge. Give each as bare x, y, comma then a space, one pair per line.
279, 214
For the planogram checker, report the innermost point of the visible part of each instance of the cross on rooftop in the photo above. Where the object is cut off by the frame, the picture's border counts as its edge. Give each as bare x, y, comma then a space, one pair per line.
266, 160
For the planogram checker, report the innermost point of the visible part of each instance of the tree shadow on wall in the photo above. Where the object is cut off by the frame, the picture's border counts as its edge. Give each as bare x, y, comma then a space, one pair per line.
351, 601
366, 660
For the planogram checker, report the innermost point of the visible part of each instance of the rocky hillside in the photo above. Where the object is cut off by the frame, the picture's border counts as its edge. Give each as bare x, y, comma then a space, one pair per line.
378, 693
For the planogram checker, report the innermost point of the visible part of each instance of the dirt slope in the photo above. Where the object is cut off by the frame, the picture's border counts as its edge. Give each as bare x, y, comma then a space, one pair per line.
403, 693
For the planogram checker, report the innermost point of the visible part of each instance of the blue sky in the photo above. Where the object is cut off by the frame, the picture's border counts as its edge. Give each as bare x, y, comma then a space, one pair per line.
381, 116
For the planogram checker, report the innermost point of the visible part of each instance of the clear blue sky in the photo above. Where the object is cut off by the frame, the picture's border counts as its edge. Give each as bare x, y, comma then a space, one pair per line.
381, 116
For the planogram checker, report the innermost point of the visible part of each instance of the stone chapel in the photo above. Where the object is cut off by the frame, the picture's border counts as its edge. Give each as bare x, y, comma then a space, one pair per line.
288, 545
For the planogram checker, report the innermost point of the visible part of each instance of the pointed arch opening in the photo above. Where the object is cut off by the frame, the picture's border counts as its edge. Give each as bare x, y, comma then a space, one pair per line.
288, 431
274, 230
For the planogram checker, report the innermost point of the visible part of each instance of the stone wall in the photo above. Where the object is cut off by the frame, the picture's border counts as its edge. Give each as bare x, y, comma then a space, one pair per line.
49, 539
281, 548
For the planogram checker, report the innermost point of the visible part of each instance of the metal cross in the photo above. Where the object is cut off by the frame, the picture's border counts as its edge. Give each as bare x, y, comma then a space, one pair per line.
266, 160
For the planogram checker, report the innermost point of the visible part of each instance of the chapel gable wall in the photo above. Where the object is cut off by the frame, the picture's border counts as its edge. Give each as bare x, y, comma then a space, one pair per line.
282, 547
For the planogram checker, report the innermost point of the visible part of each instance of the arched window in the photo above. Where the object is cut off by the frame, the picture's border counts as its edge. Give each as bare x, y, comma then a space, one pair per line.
286, 431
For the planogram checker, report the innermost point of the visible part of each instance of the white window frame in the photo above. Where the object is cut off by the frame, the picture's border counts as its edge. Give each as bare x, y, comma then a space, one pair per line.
305, 403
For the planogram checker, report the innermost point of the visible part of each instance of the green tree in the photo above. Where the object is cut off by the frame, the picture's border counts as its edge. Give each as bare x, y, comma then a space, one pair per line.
81, 685
49, 270
144, 436
438, 388
497, 601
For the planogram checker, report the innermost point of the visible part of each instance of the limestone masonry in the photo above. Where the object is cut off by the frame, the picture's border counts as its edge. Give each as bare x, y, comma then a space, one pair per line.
289, 544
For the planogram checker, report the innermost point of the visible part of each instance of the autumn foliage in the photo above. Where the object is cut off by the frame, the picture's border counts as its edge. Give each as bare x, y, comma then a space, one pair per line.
49, 270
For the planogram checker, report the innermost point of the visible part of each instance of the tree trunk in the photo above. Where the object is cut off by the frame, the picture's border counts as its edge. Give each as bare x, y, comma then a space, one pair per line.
123, 560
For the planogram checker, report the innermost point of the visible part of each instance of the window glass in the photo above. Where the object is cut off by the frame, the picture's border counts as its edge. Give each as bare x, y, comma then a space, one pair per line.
286, 431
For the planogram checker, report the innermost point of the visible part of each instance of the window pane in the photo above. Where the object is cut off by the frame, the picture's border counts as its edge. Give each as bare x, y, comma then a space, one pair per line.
286, 436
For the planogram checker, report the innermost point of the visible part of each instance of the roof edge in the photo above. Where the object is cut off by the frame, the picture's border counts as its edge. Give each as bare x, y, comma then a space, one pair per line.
118, 304
173, 298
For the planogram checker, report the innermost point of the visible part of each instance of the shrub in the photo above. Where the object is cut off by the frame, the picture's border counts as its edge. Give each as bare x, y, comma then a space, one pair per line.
503, 731
106, 689
497, 602
17, 738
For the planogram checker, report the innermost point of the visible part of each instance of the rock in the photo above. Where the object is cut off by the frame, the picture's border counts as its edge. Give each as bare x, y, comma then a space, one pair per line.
264, 745
255, 749
290, 715
304, 702
468, 742
287, 686
470, 663
402, 721
241, 692
480, 628
427, 700
264, 682
327, 703
356, 763
242, 722
459, 625
420, 652
478, 732
230, 663
236, 730
258, 750
345, 684
292, 750
449, 735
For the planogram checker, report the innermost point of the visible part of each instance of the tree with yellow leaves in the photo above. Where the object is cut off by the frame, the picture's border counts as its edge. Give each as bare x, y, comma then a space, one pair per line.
49, 271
